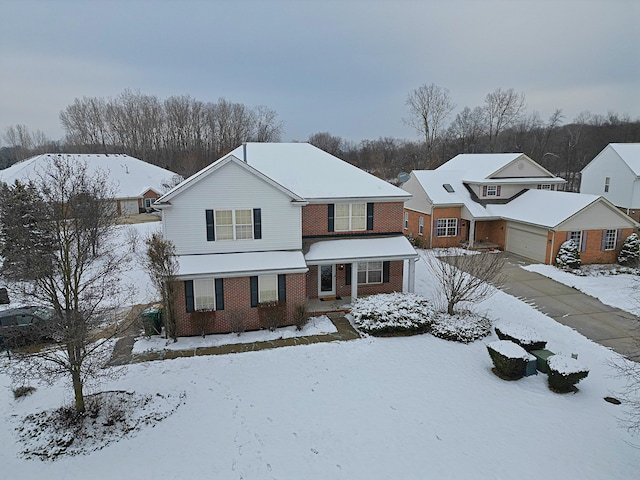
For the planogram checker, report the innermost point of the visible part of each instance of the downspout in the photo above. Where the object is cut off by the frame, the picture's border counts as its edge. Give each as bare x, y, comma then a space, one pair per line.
244, 152
553, 237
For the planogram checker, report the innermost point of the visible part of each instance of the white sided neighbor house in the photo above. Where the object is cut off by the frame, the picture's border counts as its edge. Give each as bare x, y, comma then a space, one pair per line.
615, 174
137, 184
509, 202
272, 225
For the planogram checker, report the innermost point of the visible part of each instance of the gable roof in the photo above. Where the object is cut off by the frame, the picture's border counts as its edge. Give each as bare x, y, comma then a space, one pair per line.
130, 177
629, 153
215, 166
315, 174
480, 167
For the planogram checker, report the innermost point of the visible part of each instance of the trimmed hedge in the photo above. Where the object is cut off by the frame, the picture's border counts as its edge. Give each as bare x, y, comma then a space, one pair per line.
522, 335
564, 373
509, 359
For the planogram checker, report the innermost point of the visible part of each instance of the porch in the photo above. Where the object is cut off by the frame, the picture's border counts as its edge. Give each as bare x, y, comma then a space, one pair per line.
317, 306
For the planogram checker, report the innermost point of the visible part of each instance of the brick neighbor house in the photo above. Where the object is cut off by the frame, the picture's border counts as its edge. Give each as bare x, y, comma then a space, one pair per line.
276, 224
509, 202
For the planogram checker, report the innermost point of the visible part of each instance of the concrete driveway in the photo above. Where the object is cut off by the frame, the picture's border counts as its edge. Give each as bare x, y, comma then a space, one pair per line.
609, 326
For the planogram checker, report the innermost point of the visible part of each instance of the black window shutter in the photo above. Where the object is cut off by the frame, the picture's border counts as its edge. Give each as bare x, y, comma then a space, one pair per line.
385, 271
257, 223
254, 291
369, 216
219, 294
347, 274
211, 234
331, 214
188, 295
282, 288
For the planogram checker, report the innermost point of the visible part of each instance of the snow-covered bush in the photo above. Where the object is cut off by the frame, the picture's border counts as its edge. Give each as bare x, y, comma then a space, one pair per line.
462, 327
630, 251
509, 359
392, 312
523, 335
569, 255
564, 373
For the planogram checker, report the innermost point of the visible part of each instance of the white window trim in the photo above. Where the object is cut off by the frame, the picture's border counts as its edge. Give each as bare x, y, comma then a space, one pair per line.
264, 278
406, 220
607, 184
449, 223
351, 217
578, 240
421, 226
492, 190
234, 224
607, 238
365, 267
204, 283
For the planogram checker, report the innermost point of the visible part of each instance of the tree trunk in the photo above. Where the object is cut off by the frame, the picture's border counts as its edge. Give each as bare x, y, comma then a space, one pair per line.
77, 389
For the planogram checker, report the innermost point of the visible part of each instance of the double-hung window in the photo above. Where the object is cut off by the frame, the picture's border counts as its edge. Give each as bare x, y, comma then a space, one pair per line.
421, 226
232, 224
610, 240
369, 272
446, 227
576, 237
492, 190
607, 183
545, 186
267, 288
350, 216
406, 220
204, 296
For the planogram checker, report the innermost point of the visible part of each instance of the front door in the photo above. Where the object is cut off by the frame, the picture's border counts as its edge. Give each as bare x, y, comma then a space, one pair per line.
326, 280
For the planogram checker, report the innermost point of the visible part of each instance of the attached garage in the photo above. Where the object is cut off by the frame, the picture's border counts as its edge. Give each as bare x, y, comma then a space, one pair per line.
527, 241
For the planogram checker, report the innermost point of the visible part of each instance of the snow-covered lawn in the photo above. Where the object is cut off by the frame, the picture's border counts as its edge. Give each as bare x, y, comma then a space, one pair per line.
413, 407
618, 290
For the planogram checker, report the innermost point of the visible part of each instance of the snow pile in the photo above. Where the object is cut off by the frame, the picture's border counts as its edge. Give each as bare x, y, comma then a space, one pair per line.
392, 312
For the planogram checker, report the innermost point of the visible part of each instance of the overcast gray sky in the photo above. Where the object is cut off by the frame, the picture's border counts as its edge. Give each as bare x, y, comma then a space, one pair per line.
344, 67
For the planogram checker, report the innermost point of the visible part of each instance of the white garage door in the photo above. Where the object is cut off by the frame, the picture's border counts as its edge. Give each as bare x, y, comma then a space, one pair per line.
528, 242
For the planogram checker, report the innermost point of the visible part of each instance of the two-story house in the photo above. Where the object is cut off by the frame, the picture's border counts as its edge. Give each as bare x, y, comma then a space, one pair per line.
615, 174
281, 222
508, 201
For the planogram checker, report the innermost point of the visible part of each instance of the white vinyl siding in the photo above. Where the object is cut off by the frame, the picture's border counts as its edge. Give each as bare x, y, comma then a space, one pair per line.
267, 288
369, 272
204, 294
350, 217
446, 227
232, 188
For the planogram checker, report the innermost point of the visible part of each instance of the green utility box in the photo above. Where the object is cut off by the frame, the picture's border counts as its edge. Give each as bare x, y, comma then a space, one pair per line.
152, 320
541, 359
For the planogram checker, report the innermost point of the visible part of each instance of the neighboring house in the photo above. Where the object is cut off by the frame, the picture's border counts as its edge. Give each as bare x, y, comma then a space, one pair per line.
136, 184
615, 174
281, 222
508, 201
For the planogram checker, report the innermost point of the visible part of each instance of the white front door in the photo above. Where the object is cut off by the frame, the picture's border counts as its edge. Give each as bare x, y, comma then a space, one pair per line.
326, 280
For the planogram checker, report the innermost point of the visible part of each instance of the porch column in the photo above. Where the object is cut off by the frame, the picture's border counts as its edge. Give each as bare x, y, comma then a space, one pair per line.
412, 275
354, 280
472, 232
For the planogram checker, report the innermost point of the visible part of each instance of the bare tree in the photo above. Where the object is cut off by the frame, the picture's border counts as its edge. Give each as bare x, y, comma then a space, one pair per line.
329, 143
629, 370
74, 271
24, 142
468, 128
429, 106
502, 109
465, 278
267, 126
161, 264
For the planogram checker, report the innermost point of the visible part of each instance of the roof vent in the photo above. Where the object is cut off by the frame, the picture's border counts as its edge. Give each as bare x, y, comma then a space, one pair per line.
448, 187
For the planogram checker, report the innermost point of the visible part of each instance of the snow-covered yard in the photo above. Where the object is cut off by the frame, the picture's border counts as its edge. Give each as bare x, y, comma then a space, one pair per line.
376, 408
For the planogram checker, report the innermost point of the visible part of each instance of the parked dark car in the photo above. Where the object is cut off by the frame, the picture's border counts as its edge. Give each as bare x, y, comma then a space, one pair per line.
25, 325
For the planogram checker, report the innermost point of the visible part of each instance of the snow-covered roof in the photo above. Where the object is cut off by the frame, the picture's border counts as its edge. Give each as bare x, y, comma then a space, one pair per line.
315, 174
629, 153
354, 249
241, 264
479, 166
130, 176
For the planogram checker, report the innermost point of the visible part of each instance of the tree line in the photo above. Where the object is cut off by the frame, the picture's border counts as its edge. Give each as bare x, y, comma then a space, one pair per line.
183, 134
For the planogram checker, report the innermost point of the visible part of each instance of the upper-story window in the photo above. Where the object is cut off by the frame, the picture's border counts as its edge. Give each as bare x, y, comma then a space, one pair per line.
491, 191
607, 182
241, 224
350, 216
546, 186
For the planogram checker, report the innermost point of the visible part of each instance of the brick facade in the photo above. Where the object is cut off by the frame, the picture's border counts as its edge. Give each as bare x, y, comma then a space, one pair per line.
387, 217
396, 272
148, 194
427, 240
493, 232
237, 308
593, 251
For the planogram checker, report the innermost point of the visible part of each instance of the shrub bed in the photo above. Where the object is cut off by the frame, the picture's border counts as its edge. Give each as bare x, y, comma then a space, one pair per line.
564, 373
463, 327
509, 359
524, 336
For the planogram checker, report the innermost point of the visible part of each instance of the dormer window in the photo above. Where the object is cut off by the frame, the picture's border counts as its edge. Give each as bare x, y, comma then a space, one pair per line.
491, 191
546, 186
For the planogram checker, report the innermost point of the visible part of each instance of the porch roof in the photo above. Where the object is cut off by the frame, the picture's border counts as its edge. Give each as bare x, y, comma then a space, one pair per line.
241, 264
356, 249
